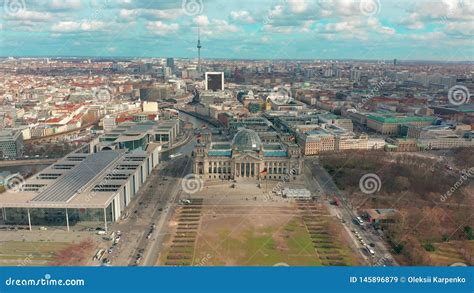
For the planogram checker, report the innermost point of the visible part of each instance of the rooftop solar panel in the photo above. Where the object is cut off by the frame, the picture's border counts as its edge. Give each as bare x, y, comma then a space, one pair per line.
64, 189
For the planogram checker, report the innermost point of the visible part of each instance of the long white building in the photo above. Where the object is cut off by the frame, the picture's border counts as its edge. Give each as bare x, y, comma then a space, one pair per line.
89, 185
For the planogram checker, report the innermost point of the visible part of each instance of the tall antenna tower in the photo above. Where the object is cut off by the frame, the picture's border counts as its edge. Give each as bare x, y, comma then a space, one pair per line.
199, 49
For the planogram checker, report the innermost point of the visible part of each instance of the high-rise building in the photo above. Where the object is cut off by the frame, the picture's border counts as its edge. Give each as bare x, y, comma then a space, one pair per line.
355, 74
170, 63
214, 81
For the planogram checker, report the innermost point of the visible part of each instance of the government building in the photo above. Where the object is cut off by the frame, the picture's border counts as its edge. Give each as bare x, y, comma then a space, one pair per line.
92, 185
246, 157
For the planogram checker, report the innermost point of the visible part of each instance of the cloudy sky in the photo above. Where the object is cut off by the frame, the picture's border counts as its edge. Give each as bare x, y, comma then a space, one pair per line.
268, 29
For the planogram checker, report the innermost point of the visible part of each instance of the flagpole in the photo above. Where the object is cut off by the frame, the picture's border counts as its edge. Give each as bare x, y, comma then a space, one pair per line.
266, 184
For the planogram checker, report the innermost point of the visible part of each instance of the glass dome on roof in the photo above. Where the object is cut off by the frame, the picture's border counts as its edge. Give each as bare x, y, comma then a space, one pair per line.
247, 139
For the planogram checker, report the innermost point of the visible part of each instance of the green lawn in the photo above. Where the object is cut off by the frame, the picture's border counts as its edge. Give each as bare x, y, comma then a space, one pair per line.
290, 244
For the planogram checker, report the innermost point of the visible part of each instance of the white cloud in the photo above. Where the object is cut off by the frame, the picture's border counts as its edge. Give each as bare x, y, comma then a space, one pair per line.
163, 14
427, 36
374, 24
413, 22
298, 6
438, 12
31, 16
307, 26
149, 14
276, 11
242, 16
64, 4
278, 29
128, 14
220, 27
339, 7
354, 28
66, 26
451, 10
160, 28
215, 26
465, 28
74, 26
201, 20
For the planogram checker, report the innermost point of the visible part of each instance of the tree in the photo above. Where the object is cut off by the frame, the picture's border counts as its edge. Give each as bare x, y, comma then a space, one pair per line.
469, 232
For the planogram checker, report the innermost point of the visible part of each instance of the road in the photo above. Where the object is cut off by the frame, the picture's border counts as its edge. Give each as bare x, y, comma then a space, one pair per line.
159, 234
315, 187
382, 253
153, 207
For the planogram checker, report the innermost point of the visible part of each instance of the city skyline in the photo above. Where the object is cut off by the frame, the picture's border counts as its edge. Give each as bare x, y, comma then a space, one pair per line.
245, 134
297, 29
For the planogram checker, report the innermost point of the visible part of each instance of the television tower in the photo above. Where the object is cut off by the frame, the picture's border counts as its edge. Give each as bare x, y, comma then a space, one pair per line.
199, 50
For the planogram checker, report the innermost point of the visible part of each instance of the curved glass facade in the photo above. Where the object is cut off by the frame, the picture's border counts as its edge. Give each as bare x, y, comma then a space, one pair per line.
247, 139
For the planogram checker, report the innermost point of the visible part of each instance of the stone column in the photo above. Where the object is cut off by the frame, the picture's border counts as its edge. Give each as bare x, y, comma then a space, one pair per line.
29, 219
67, 220
105, 220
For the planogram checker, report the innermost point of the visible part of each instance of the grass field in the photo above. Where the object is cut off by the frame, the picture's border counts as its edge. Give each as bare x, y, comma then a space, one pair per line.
17, 253
257, 236
289, 244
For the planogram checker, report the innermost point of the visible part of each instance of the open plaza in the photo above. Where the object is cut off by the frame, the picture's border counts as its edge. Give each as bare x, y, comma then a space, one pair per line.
248, 224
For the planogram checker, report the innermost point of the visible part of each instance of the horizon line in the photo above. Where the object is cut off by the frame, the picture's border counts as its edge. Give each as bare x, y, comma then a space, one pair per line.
242, 59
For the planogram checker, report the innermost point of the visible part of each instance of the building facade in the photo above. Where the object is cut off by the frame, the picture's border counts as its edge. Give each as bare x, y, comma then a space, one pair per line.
390, 124
246, 157
11, 144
